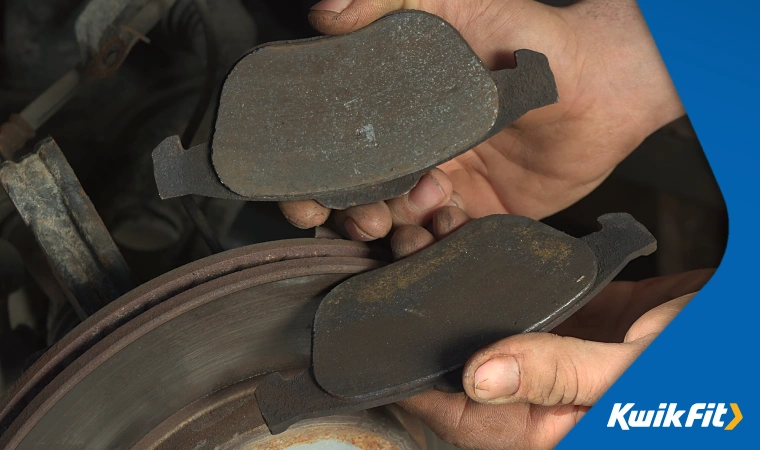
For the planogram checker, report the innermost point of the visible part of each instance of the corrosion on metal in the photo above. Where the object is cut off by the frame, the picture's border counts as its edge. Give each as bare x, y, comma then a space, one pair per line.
107, 61
50, 200
407, 327
106, 31
352, 119
360, 434
287, 277
153, 293
230, 418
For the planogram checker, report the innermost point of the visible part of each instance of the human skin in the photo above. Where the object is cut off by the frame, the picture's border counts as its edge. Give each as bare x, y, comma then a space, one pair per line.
614, 91
527, 391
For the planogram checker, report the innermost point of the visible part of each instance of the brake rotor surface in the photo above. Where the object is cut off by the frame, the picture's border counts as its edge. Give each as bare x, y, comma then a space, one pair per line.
177, 339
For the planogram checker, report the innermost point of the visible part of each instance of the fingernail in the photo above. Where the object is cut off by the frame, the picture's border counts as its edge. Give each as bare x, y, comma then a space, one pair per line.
426, 195
336, 6
354, 231
498, 377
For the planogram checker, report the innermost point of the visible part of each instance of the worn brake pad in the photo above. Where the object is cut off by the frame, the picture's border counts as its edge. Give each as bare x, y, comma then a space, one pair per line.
352, 119
408, 327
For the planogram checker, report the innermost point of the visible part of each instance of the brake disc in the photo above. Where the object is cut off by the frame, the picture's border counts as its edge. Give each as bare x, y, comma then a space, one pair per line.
177, 359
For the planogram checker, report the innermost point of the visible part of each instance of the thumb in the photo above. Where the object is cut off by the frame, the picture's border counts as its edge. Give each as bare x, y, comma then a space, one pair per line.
546, 369
492, 28
343, 16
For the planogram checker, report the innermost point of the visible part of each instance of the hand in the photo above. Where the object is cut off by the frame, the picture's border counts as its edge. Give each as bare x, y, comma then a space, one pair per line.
529, 390
614, 91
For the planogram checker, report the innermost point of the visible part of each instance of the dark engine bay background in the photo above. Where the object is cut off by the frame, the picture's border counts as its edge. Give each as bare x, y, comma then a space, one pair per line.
108, 130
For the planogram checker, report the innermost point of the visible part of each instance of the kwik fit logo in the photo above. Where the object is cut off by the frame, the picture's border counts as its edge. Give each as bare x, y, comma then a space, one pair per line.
668, 415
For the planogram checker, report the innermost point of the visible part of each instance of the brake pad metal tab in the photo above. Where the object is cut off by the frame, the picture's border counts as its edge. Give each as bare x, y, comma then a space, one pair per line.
352, 119
410, 326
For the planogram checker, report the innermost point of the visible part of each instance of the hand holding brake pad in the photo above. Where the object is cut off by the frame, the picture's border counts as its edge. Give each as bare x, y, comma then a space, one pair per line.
408, 327
352, 119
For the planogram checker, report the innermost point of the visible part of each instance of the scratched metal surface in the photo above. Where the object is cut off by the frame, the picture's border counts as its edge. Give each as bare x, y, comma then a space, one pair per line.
335, 113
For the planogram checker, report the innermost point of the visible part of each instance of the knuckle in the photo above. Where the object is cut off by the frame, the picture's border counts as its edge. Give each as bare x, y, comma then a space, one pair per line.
443, 181
304, 214
400, 214
548, 378
373, 220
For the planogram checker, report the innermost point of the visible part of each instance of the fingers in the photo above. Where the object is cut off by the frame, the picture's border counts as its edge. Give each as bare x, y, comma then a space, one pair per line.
546, 369
304, 213
365, 222
433, 191
344, 16
369, 222
483, 23
447, 220
375, 221
410, 239
460, 421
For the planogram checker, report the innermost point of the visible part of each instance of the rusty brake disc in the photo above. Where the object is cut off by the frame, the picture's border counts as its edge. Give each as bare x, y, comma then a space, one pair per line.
124, 377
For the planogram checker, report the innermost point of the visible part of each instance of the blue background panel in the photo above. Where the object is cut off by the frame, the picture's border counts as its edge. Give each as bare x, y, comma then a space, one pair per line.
709, 353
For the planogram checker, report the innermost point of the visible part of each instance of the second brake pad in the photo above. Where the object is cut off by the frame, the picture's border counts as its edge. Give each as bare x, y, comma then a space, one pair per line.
495, 277
353, 119
408, 327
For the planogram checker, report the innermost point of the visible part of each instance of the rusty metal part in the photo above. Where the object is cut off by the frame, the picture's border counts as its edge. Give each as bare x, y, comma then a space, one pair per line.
13, 135
153, 293
108, 60
401, 329
230, 419
352, 119
366, 430
106, 31
50, 200
284, 402
209, 337
170, 297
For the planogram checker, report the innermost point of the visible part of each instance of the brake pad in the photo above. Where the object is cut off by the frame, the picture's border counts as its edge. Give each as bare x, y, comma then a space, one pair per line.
352, 119
410, 326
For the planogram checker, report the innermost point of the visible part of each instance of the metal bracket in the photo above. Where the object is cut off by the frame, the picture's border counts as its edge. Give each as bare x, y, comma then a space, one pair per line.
50, 200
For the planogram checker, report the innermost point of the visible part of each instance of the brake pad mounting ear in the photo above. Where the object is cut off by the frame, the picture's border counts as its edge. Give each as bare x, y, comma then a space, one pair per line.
352, 119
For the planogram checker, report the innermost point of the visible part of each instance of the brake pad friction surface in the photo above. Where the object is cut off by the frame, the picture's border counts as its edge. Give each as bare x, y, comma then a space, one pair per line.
317, 117
425, 315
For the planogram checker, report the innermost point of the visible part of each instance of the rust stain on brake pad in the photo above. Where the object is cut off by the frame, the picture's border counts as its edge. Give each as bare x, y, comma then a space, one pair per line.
430, 315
